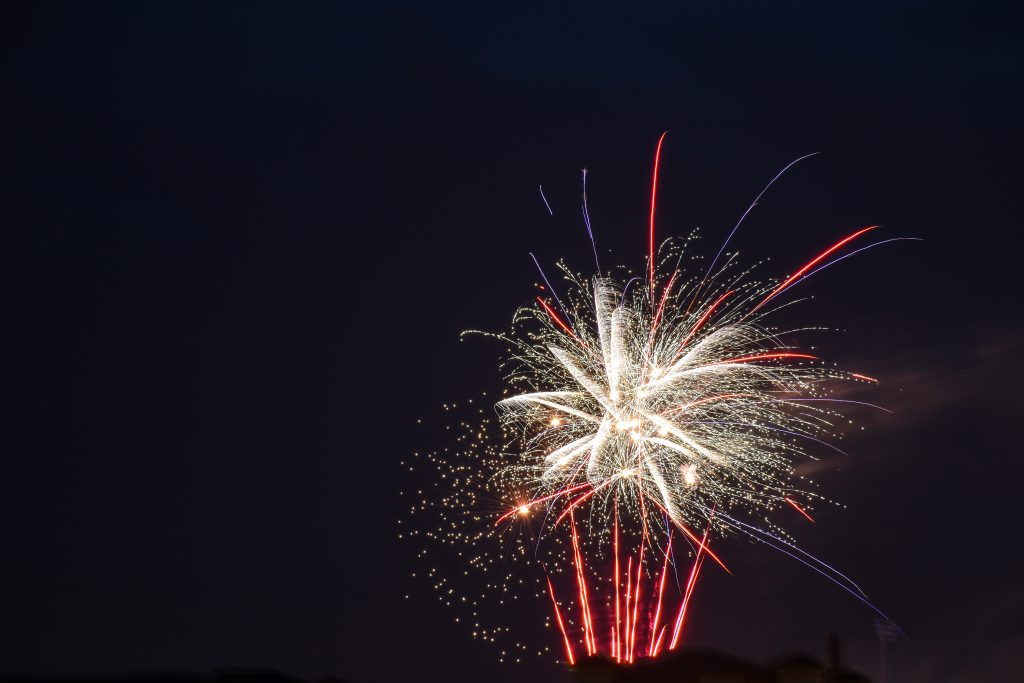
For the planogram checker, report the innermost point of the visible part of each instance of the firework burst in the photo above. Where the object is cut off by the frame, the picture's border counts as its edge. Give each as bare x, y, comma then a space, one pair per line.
644, 417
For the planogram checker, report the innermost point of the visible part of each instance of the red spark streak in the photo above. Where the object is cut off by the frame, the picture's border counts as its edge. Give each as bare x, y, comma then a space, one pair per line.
561, 625
864, 377
657, 643
636, 601
693, 537
697, 562
568, 330
579, 500
618, 620
654, 194
690, 585
540, 500
639, 569
554, 316
661, 306
795, 276
799, 509
704, 318
588, 627
629, 586
703, 547
652, 651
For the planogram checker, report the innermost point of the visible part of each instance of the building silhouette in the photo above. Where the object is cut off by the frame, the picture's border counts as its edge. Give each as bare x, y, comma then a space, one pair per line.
695, 665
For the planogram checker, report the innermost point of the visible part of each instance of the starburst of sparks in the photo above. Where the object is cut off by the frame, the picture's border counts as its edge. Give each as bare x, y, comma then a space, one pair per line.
643, 415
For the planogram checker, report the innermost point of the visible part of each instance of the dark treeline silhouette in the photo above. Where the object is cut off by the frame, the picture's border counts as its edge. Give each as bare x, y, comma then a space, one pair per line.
689, 665
219, 675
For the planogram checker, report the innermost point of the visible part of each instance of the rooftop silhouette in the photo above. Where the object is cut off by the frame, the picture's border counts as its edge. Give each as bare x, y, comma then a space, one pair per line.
697, 665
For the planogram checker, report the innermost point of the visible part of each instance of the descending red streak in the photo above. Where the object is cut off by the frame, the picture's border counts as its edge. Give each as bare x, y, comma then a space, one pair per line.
657, 643
629, 579
686, 598
703, 547
618, 619
568, 330
661, 592
693, 537
636, 601
579, 500
697, 562
704, 319
795, 276
588, 628
561, 624
640, 560
864, 377
554, 316
681, 615
654, 194
799, 509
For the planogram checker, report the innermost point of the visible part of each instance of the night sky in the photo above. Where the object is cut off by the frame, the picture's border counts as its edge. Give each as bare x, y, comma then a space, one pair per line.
240, 241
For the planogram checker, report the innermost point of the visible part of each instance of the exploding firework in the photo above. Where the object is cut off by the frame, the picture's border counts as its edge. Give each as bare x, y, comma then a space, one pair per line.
644, 418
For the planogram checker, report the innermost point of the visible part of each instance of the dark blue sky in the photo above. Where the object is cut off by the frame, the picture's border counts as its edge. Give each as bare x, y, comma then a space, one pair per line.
239, 242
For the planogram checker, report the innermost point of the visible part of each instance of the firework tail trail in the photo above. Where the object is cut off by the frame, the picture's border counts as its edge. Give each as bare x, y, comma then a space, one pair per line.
640, 560
858, 593
854, 253
661, 307
561, 624
625, 289
799, 509
618, 618
693, 537
654, 195
573, 505
588, 627
559, 321
703, 319
545, 199
757, 534
636, 601
694, 572
547, 282
661, 594
586, 221
749, 209
775, 429
816, 260
629, 579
